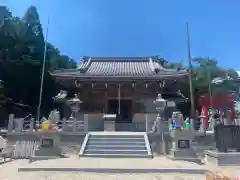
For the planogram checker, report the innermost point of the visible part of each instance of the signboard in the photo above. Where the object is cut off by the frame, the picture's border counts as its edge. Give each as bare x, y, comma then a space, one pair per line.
183, 144
47, 143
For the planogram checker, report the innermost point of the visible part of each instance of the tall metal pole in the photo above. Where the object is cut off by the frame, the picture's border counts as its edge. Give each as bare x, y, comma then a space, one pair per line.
190, 73
42, 76
210, 88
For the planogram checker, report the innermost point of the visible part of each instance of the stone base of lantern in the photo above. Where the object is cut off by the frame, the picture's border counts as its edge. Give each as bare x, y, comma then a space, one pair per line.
182, 145
49, 147
183, 154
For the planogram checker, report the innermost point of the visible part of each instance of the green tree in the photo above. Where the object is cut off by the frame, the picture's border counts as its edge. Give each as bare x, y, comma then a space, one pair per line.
21, 57
206, 70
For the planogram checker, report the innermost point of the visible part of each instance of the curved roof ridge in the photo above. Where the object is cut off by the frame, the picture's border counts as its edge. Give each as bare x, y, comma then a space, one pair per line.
120, 59
84, 65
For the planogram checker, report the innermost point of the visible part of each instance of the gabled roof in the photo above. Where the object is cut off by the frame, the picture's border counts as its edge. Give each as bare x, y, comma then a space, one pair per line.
119, 67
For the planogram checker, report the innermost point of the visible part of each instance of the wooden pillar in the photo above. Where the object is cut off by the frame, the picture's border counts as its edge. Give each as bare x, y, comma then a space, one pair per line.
106, 100
119, 99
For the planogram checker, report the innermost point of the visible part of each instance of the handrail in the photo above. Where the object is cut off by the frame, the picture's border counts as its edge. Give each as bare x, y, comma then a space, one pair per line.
30, 115
26, 125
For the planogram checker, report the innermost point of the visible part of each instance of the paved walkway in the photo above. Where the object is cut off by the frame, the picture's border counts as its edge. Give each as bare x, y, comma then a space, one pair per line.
10, 170
159, 164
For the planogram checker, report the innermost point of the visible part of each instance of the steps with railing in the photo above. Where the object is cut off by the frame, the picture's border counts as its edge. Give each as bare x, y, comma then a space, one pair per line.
116, 144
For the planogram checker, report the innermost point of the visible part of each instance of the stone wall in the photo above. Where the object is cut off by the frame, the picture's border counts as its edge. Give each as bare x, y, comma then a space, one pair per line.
72, 143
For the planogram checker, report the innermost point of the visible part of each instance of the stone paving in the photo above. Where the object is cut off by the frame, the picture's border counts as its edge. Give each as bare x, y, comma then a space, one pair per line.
9, 170
125, 163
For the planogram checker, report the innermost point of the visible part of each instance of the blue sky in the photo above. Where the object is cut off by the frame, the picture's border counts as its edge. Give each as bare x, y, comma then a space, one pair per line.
141, 27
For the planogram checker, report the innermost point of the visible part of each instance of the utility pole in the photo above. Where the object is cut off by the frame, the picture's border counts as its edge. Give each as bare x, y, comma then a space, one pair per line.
210, 86
42, 76
190, 74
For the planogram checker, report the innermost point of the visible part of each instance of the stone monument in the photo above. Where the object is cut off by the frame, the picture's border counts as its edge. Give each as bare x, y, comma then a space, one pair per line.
49, 140
49, 145
182, 138
182, 145
227, 151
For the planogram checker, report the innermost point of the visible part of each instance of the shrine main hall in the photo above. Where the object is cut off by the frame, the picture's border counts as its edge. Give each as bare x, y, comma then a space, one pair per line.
125, 86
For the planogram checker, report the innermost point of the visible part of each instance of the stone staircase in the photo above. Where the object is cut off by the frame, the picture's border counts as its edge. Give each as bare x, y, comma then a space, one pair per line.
116, 144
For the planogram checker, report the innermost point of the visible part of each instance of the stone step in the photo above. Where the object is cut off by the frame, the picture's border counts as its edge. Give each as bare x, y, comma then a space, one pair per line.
116, 144
116, 136
116, 151
133, 140
122, 143
118, 155
116, 147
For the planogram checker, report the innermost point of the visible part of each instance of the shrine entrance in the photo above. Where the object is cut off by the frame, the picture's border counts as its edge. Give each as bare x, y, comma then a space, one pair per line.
123, 110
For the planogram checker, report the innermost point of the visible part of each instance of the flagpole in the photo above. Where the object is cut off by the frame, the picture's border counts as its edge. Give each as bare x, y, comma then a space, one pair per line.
190, 73
42, 76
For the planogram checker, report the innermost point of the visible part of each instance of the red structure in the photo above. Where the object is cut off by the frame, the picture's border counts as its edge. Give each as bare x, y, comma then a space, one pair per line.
220, 103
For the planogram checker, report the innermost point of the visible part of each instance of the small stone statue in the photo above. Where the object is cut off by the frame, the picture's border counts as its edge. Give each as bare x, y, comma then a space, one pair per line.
202, 117
177, 119
54, 117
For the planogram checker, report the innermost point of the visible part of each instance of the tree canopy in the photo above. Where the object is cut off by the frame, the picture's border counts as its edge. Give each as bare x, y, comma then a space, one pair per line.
21, 56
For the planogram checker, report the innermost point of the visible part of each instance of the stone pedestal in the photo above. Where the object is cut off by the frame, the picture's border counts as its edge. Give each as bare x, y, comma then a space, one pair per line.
109, 122
222, 159
49, 146
109, 125
182, 145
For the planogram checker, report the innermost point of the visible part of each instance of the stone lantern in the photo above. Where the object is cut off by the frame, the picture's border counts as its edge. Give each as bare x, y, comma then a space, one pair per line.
160, 104
74, 104
160, 107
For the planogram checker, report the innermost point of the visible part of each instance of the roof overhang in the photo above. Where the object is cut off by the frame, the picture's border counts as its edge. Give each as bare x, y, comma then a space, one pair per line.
119, 78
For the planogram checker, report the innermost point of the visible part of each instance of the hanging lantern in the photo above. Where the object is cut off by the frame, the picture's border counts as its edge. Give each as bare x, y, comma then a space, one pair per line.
146, 85
93, 85
106, 85
133, 85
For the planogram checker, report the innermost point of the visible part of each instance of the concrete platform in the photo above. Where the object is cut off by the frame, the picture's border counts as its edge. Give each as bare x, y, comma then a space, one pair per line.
112, 165
222, 159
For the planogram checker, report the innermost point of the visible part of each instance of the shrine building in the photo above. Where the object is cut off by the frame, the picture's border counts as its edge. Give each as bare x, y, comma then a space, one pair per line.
125, 86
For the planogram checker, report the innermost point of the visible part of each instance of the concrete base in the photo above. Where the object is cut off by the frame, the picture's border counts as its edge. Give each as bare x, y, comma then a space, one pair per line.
48, 152
192, 171
109, 125
182, 154
36, 158
222, 159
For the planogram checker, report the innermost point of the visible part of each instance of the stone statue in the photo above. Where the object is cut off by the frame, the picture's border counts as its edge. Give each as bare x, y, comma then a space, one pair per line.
54, 117
177, 119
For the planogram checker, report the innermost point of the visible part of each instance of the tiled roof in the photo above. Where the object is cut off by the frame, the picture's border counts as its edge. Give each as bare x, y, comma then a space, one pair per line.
119, 67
